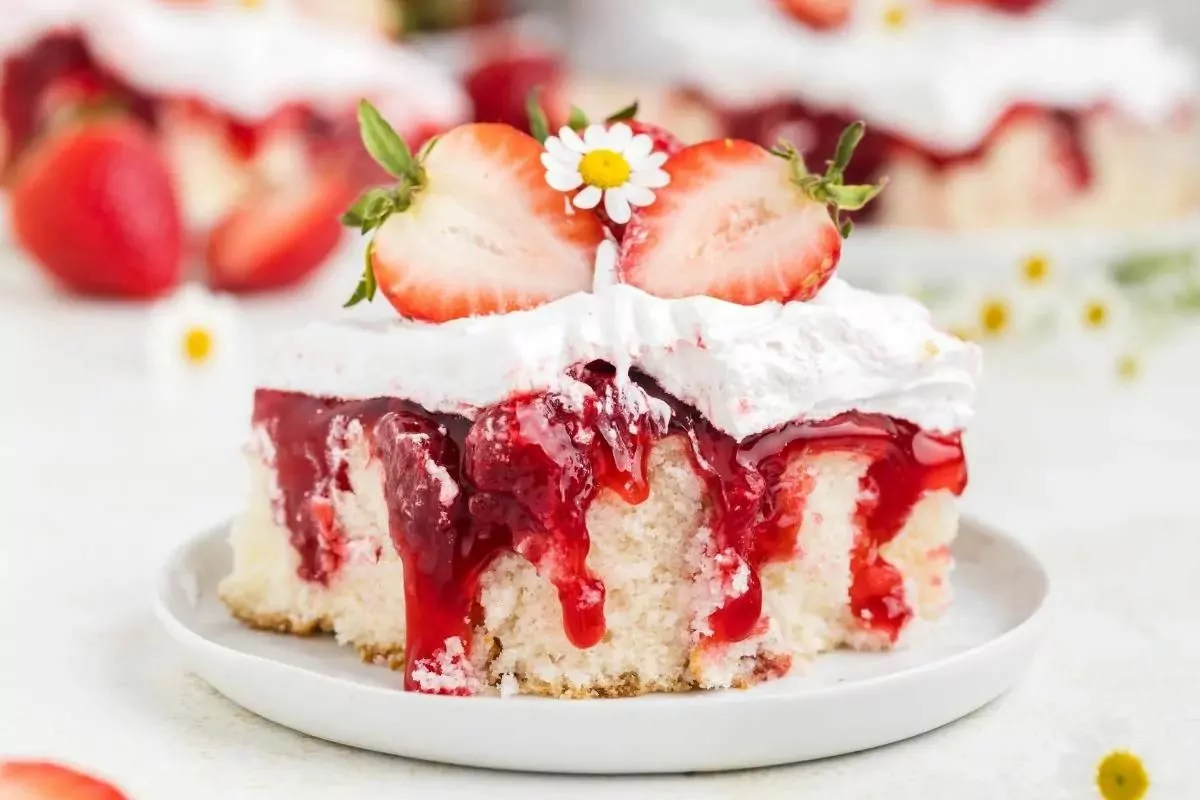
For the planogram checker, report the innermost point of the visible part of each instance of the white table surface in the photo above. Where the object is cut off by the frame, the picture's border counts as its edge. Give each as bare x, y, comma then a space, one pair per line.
97, 486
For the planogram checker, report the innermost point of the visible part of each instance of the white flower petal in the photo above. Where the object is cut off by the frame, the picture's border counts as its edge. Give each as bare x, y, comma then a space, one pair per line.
588, 198
650, 178
638, 148
571, 140
619, 137
563, 181
561, 153
617, 206
596, 138
637, 195
653, 161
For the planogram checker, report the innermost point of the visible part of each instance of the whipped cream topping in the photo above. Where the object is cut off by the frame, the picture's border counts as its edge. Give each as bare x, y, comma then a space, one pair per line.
747, 369
944, 80
248, 63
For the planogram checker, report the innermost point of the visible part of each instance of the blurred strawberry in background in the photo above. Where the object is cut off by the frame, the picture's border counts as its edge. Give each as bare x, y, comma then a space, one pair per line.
40, 780
278, 236
95, 206
127, 168
818, 14
499, 88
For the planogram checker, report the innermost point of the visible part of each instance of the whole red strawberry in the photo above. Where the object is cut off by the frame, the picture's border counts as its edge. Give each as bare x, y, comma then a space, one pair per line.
94, 205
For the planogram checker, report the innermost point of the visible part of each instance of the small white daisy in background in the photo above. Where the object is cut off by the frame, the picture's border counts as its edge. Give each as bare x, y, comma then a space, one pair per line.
610, 164
1113, 762
896, 15
990, 314
888, 16
1099, 327
194, 347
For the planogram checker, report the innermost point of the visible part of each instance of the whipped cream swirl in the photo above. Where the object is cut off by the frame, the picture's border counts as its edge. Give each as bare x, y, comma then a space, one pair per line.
747, 369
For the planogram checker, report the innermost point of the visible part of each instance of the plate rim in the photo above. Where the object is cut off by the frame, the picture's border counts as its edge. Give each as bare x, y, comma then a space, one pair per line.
1031, 625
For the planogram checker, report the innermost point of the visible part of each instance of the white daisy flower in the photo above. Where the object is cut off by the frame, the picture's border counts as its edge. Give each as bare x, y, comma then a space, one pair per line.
1000, 312
193, 345
610, 163
1112, 762
1100, 329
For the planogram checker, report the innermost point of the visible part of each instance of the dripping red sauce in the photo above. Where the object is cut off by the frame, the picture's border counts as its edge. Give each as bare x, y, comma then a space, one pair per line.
522, 476
758, 504
815, 132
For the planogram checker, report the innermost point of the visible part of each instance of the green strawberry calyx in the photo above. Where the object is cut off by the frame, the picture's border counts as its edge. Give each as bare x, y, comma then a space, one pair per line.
830, 188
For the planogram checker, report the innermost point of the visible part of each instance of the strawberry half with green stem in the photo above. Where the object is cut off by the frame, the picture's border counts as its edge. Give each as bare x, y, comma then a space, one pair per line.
471, 228
40, 780
95, 205
743, 224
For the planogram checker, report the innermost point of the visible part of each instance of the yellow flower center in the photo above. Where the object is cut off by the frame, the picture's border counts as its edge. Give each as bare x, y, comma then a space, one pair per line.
604, 169
250, 4
1036, 270
1128, 367
895, 16
1121, 776
197, 345
1095, 314
994, 317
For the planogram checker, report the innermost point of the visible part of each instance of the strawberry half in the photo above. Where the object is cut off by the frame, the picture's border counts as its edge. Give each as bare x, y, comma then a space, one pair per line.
818, 14
278, 237
743, 224
95, 205
39, 780
472, 227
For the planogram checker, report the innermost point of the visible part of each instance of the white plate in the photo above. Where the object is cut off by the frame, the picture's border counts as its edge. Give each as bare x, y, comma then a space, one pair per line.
846, 702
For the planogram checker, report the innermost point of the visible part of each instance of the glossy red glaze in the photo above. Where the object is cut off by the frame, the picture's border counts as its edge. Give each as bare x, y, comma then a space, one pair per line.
522, 476
759, 503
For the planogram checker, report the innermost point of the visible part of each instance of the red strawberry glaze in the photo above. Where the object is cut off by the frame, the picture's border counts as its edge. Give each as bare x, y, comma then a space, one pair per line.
522, 476
758, 508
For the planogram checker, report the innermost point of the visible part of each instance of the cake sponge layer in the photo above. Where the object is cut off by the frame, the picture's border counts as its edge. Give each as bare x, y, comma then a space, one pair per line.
654, 559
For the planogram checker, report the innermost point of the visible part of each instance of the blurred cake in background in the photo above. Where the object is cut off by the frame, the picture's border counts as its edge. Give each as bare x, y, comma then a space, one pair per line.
239, 123
985, 115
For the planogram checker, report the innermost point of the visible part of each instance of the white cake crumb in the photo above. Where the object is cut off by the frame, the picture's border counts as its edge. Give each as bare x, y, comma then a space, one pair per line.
509, 687
446, 672
447, 488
